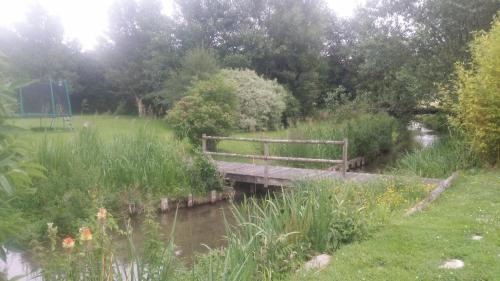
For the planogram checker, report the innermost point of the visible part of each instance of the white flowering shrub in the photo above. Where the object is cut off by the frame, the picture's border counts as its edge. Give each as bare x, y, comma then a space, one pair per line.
261, 101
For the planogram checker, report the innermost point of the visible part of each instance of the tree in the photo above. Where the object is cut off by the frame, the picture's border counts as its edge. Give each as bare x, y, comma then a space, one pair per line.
278, 39
141, 49
296, 33
399, 52
197, 65
35, 48
91, 91
478, 90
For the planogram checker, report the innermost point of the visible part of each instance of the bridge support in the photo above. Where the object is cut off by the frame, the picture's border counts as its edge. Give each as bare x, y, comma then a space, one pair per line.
266, 167
344, 158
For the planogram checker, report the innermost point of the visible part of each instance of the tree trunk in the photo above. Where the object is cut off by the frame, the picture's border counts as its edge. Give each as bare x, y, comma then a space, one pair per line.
141, 109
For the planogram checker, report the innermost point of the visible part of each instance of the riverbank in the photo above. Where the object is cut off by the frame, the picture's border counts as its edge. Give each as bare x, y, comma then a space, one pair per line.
271, 236
413, 248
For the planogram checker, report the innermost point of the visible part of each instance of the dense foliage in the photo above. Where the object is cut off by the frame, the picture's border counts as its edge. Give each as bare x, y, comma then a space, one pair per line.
478, 87
397, 53
16, 169
261, 102
210, 107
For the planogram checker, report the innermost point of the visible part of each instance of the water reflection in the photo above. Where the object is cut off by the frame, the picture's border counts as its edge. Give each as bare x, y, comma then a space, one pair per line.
421, 135
195, 228
16, 265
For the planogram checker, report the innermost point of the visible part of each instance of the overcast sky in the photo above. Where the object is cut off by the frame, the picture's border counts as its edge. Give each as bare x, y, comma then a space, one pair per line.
85, 20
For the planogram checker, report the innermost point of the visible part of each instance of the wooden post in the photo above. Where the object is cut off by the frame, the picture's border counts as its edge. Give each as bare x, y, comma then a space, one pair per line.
204, 143
266, 165
132, 210
344, 158
164, 205
213, 196
433, 195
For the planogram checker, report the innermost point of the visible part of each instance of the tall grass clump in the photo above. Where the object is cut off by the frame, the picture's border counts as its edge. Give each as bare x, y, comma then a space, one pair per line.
86, 171
275, 236
448, 154
368, 134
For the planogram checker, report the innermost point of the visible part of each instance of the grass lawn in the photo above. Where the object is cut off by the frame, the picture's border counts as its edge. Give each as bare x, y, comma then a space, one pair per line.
413, 248
34, 129
110, 125
106, 125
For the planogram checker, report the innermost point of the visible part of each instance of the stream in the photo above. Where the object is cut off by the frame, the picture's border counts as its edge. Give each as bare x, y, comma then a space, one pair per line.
421, 135
195, 228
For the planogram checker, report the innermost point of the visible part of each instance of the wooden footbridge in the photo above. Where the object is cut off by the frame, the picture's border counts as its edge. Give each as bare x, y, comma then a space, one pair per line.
268, 175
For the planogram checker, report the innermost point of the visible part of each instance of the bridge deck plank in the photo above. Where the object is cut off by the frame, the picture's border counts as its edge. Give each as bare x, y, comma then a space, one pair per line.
254, 173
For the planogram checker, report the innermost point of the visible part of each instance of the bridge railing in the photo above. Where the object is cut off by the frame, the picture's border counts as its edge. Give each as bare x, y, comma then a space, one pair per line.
266, 157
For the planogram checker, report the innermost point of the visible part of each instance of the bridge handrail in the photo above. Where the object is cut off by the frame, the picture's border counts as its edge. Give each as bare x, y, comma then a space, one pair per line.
341, 142
267, 157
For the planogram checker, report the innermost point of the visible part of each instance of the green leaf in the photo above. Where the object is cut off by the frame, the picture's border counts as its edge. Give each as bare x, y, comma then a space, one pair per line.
5, 185
3, 254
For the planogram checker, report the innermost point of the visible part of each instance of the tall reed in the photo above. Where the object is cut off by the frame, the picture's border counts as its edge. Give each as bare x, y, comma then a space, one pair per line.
449, 154
368, 134
86, 171
276, 235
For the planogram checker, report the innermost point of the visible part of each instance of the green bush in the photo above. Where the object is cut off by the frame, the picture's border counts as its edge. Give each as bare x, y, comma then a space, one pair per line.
478, 88
261, 102
210, 108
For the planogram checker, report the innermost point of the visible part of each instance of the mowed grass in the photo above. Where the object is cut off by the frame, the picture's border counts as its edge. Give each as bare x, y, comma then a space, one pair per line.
414, 248
107, 126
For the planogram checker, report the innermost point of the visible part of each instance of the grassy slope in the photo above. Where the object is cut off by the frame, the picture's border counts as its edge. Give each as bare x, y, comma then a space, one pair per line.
413, 248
